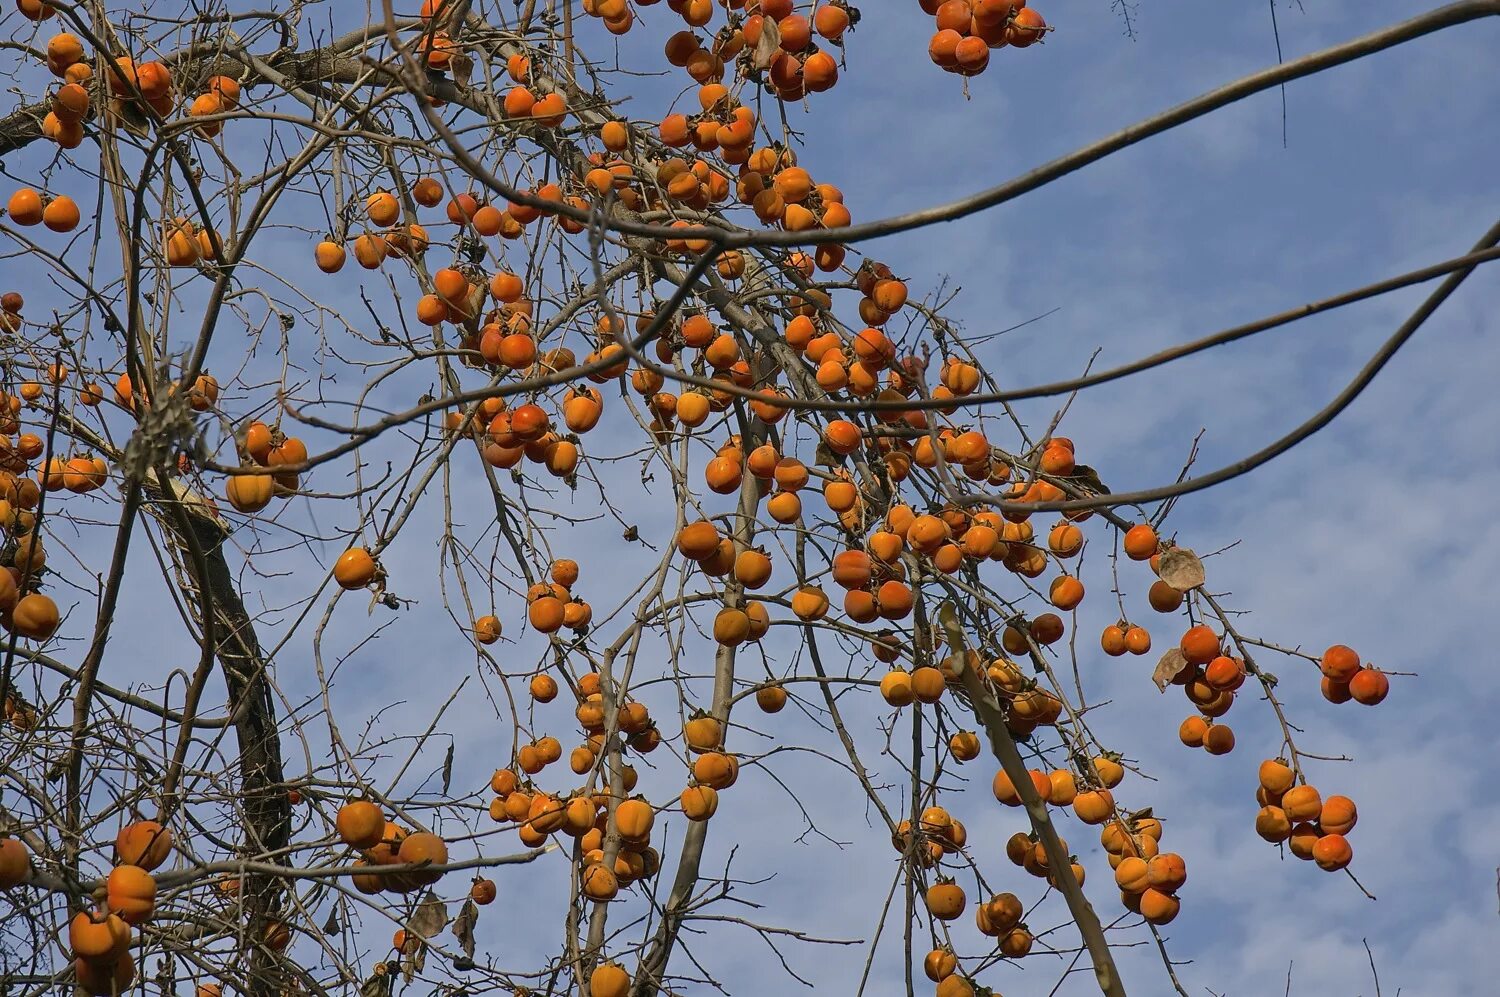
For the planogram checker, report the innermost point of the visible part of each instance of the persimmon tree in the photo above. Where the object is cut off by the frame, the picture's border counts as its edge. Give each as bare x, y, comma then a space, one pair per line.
576, 295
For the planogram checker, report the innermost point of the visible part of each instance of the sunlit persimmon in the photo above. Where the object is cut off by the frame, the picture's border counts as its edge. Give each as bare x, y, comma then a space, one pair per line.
355, 568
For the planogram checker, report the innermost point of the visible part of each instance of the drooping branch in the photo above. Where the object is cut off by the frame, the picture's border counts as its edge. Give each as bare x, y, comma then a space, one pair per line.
1009, 756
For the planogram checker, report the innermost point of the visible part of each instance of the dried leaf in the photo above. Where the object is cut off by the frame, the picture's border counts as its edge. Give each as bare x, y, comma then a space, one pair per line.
412, 963
331, 927
474, 305
448, 770
463, 927
461, 66
1181, 569
134, 120
1089, 478
431, 917
769, 45
1171, 665
378, 984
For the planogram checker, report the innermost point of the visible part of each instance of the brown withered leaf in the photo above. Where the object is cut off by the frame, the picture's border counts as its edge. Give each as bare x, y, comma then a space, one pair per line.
430, 918
1171, 665
1089, 478
412, 963
461, 66
769, 45
1181, 569
463, 927
134, 119
378, 984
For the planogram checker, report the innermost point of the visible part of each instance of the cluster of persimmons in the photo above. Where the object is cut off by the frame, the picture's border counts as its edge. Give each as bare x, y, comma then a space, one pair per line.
100, 935
967, 31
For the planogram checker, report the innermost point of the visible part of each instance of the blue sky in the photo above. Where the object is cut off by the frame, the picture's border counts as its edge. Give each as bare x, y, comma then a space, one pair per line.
1374, 533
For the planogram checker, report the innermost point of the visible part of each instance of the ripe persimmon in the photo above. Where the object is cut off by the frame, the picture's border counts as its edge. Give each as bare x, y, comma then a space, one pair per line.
35, 616
131, 893
699, 803
945, 900
1339, 663
1159, 907
355, 568
1332, 852
110, 977
1094, 806
1218, 739
1224, 673
360, 824
939, 964
382, 208
61, 214
15, 862
1369, 686
25, 207
771, 698
896, 688
1272, 824
1302, 803
1200, 645
144, 843
1163, 597
97, 936
1338, 815
423, 847
1109, 771
1335, 692
609, 980
1027, 28
1140, 542
1276, 776
831, 20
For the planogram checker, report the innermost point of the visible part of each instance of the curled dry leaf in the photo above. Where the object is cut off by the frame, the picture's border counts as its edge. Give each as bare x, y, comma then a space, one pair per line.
1172, 664
768, 46
133, 118
461, 67
1089, 478
378, 984
956, 663
1181, 569
412, 963
430, 918
463, 927
948, 619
